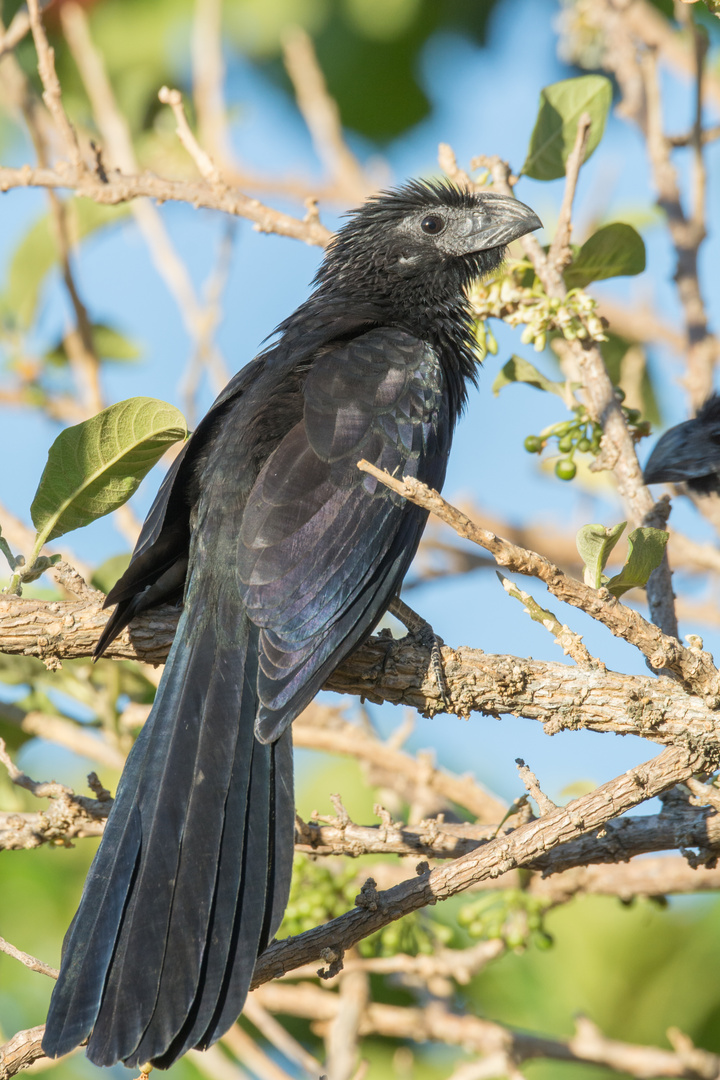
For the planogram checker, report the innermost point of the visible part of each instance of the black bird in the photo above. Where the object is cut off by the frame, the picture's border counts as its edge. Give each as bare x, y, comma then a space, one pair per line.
286, 556
690, 452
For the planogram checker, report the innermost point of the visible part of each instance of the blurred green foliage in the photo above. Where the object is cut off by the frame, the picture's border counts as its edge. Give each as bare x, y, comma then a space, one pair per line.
368, 49
634, 970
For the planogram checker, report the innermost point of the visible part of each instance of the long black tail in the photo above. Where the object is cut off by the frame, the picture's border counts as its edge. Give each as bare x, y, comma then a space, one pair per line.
192, 876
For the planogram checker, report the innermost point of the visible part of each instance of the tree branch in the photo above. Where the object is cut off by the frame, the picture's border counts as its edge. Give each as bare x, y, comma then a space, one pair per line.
527, 843
121, 188
695, 668
495, 1041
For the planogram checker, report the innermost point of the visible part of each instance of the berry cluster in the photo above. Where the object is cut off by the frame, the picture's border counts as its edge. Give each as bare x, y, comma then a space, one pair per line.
319, 893
581, 434
510, 915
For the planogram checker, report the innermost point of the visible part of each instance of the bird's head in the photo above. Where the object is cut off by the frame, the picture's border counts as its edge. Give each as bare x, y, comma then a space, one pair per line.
427, 236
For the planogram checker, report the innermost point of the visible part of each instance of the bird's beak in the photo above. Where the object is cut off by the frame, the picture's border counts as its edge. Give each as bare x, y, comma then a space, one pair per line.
499, 220
681, 454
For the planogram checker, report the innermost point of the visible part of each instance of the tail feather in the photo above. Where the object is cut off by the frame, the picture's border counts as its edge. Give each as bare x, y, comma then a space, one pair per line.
230, 956
248, 918
283, 811
246, 798
165, 790
182, 895
279, 863
90, 941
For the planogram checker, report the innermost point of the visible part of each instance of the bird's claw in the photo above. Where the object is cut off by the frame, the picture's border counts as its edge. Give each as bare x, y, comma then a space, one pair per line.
421, 629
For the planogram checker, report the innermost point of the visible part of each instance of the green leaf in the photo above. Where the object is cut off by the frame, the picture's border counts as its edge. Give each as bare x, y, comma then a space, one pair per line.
94, 467
561, 106
519, 370
37, 254
594, 543
646, 548
109, 343
615, 250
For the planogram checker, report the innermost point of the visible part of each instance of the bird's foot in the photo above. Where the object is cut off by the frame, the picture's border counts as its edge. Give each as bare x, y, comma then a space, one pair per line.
422, 630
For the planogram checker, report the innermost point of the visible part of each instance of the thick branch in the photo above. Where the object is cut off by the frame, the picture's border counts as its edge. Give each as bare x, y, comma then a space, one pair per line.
559, 696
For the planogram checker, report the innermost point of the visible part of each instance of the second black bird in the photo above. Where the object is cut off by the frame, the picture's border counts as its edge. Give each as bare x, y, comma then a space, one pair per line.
690, 452
285, 556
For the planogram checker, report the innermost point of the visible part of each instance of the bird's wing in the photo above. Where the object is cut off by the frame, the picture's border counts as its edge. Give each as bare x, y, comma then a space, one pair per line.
158, 566
323, 547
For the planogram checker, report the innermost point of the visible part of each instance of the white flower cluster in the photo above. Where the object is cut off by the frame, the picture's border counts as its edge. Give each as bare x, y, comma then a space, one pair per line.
575, 315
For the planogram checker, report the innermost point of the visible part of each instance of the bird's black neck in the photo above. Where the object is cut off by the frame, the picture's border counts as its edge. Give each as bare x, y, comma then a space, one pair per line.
443, 319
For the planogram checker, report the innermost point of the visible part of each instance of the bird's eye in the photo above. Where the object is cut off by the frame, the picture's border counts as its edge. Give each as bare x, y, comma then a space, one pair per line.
432, 224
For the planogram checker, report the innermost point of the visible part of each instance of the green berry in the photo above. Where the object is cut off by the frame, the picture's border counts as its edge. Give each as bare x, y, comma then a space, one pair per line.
543, 940
565, 469
533, 444
633, 415
565, 444
619, 393
584, 445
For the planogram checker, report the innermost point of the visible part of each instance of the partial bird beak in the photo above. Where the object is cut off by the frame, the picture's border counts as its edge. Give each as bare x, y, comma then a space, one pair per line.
682, 453
500, 220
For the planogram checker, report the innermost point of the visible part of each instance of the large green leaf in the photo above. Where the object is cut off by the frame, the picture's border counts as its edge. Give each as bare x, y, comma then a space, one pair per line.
94, 467
646, 548
615, 250
37, 254
561, 106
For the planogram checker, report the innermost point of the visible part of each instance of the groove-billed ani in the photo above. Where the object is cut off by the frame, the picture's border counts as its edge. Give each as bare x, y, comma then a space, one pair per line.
286, 556
690, 452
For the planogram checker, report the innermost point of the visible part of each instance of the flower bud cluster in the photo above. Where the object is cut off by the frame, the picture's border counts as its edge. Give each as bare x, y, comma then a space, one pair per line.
508, 298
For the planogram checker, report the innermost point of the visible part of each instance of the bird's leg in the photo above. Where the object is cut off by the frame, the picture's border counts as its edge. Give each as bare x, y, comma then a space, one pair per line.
423, 631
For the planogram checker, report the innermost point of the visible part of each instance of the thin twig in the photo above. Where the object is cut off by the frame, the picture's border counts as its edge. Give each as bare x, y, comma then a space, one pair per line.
570, 642
279, 1037
322, 116
120, 188
29, 961
560, 254
244, 1047
206, 166
52, 94
530, 780
208, 68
